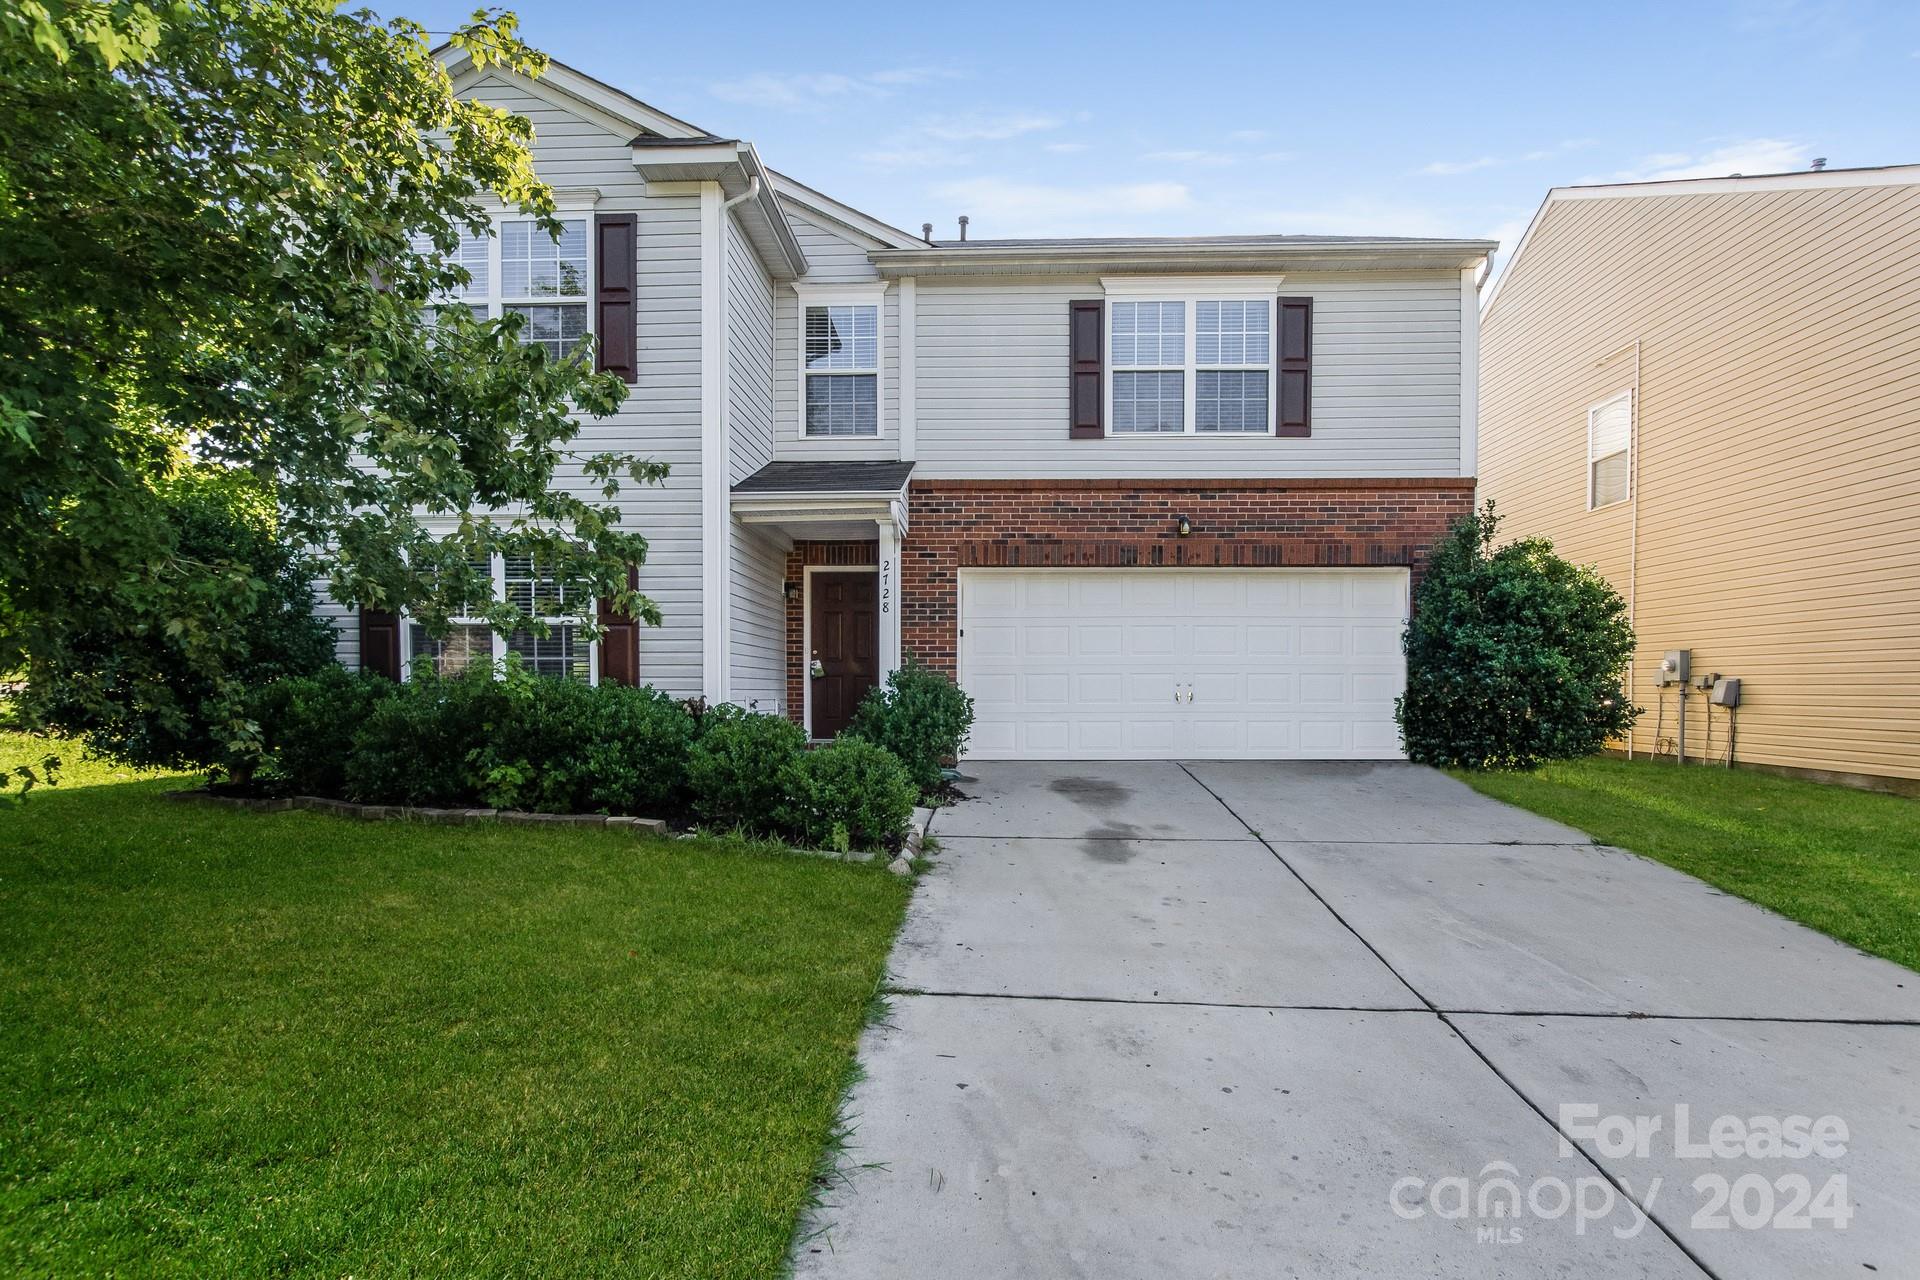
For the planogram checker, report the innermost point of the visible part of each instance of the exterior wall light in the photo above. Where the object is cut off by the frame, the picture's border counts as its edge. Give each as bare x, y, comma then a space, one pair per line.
1182, 526
792, 590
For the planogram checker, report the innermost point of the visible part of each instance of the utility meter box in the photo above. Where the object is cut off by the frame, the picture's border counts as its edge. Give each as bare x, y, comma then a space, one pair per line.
1676, 666
1725, 692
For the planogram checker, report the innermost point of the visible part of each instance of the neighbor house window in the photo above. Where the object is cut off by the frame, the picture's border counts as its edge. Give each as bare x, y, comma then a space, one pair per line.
1191, 366
524, 271
562, 653
1609, 451
842, 393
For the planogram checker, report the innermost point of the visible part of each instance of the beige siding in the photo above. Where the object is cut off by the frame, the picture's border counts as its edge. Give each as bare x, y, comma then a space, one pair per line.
1776, 526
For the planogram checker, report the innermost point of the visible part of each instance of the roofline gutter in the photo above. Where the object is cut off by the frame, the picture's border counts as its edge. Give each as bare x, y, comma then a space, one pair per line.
736, 163
1085, 259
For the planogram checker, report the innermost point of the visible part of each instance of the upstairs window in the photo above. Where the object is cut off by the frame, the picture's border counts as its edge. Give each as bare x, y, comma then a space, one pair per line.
842, 394
1232, 360
1149, 366
524, 271
1191, 366
1609, 451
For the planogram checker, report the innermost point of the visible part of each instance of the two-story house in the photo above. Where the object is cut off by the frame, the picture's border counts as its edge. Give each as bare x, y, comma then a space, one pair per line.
1141, 497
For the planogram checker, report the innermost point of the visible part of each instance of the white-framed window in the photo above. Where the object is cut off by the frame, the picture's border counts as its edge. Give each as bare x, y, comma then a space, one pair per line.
841, 375
1610, 451
520, 269
1190, 357
563, 652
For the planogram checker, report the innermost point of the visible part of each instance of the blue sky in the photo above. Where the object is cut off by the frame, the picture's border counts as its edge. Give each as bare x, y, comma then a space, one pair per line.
1049, 118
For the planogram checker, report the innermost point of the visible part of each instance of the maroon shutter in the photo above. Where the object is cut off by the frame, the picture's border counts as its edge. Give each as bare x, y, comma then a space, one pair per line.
1084, 369
380, 643
614, 320
619, 641
1295, 417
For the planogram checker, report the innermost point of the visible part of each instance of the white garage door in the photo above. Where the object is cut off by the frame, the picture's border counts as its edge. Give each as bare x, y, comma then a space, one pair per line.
1183, 664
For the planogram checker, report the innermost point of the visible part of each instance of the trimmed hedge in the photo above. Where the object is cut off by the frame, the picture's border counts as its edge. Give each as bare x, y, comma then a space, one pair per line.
515, 741
849, 794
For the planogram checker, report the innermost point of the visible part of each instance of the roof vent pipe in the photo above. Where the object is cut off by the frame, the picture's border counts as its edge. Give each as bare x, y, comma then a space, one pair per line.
926, 232
963, 228
1819, 163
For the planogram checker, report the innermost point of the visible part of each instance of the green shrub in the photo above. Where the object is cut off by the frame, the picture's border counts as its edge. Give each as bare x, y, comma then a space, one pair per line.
848, 795
536, 756
563, 747
307, 725
1514, 656
422, 744
921, 717
742, 768
637, 761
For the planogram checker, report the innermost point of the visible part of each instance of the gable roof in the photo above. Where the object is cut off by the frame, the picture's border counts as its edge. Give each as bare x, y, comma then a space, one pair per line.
585, 91
1889, 175
846, 215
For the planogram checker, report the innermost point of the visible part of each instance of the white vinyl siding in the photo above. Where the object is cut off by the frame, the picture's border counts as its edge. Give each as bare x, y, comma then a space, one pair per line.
750, 342
661, 416
1609, 448
759, 620
991, 359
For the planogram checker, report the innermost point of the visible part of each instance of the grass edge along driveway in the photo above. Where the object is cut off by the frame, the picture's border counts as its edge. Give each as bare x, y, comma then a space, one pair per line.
236, 1043
1842, 861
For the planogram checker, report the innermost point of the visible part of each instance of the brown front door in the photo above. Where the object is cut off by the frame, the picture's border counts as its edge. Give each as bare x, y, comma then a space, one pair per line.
843, 652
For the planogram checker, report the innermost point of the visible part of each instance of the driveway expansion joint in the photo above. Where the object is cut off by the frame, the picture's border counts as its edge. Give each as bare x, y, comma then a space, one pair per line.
1477, 1052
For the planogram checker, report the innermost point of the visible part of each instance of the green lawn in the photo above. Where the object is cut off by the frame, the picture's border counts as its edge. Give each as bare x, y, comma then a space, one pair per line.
247, 1044
1843, 861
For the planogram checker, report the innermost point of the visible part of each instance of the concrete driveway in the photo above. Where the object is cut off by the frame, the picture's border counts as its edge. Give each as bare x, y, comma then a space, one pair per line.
1318, 1020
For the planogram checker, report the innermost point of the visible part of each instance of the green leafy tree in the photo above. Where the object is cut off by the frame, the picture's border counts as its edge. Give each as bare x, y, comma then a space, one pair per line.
211, 214
1514, 656
123, 687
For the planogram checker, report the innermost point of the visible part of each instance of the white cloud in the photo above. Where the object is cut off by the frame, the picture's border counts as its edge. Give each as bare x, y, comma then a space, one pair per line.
1447, 168
1211, 158
1754, 155
1450, 168
914, 75
1064, 148
810, 91
1005, 207
986, 128
930, 157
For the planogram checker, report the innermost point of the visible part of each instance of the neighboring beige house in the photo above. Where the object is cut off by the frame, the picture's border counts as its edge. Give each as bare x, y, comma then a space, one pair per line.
1710, 389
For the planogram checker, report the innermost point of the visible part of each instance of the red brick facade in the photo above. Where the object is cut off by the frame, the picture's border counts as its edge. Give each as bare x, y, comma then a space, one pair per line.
961, 524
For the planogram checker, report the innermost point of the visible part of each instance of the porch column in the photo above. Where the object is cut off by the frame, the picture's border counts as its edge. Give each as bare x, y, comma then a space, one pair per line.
887, 597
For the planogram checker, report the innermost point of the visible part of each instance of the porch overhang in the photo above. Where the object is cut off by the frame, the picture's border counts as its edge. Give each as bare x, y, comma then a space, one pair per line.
825, 501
